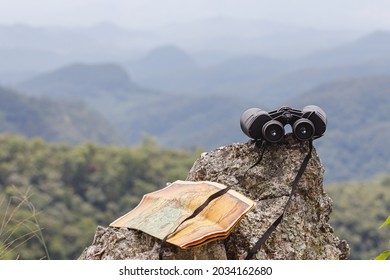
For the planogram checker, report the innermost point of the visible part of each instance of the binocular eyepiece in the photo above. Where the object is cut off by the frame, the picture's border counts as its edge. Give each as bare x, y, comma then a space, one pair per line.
308, 123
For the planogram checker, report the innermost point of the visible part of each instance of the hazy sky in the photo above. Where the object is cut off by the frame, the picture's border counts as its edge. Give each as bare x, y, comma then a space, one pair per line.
333, 14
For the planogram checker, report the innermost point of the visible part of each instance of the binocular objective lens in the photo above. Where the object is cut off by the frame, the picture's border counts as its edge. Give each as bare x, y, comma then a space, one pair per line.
303, 129
273, 131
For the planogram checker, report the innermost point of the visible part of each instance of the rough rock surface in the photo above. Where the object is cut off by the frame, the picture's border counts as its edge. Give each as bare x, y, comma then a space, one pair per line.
304, 232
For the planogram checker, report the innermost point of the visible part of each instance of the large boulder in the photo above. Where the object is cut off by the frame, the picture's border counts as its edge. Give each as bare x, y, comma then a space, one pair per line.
304, 232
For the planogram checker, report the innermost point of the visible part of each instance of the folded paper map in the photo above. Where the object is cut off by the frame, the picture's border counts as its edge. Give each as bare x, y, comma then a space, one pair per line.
160, 212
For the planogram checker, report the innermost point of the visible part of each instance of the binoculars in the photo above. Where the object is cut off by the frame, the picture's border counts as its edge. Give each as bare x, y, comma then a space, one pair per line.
308, 123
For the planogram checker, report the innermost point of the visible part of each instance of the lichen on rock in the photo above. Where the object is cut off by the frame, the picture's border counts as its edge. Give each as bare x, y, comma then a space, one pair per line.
304, 233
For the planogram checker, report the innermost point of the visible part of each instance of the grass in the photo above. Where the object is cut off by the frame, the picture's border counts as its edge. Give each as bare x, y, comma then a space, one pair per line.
19, 223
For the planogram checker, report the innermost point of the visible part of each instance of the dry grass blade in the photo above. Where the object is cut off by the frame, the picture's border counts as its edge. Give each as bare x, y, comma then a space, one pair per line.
11, 225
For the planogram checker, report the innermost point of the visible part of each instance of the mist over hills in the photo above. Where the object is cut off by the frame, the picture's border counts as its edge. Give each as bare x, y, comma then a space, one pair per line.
26, 51
254, 75
370, 47
104, 87
86, 42
355, 143
166, 67
237, 36
185, 100
67, 122
81, 81
208, 41
135, 111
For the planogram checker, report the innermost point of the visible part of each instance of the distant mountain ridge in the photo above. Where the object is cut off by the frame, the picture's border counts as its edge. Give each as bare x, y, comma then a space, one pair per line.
59, 46
67, 122
254, 76
80, 80
356, 108
372, 46
104, 87
163, 68
136, 111
202, 105
355, 144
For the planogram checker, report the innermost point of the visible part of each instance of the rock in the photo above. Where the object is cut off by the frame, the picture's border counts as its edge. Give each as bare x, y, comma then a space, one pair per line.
304, 233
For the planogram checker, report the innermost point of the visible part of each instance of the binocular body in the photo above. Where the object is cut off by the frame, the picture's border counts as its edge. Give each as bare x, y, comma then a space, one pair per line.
308, 123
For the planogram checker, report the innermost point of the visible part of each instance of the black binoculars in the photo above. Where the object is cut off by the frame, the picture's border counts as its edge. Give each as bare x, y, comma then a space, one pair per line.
308, 123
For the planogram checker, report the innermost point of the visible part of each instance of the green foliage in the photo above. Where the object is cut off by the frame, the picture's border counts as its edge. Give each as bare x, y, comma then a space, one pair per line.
385, 254
386, 223
19, 224
76, 188
354, 146
73, 189
358, 209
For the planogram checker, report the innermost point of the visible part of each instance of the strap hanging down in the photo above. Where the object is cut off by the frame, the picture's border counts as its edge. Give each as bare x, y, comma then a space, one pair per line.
268, 232
208, 200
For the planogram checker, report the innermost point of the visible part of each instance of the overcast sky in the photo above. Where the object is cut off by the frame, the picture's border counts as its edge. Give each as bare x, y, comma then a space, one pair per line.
326, 14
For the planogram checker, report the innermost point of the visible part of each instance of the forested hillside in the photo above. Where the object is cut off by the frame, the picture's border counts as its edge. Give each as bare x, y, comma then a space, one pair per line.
354, 145
69, 122
360, 207
199, 105
85, 115
52, 196
70, 190
84, 82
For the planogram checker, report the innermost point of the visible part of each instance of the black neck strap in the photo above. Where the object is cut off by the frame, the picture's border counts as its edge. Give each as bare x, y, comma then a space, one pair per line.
268, 232
217, 194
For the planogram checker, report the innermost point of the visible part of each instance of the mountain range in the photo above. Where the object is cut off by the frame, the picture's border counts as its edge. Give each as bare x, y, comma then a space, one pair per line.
26, 50
169, 94
67, 122
253, 75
